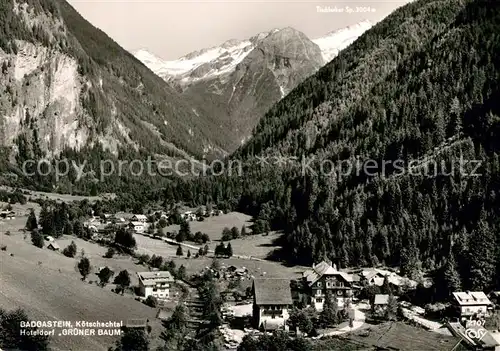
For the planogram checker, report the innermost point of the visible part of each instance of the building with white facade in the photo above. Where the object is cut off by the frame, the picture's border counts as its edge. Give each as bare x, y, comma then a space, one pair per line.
470, 303
272, 299
139, 218
155, 284
325, 277
138, 227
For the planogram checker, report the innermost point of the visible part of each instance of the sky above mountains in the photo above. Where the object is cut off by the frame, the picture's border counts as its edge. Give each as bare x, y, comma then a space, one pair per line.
173, 28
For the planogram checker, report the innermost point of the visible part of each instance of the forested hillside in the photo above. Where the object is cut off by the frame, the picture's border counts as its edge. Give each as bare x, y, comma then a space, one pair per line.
421, 87
50, 57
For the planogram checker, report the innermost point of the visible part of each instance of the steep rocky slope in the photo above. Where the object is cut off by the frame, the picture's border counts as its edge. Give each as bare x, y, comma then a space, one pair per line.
66, 85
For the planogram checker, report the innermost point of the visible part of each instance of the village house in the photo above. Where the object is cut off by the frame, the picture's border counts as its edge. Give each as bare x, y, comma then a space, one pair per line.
375, 276
138, 227
470, 303
139, 218
189, 216
272, 298
53, 246
380, 303
155, 284
325, 277
8, 215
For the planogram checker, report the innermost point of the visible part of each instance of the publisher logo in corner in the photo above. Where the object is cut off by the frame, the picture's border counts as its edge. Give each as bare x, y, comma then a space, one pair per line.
475, 334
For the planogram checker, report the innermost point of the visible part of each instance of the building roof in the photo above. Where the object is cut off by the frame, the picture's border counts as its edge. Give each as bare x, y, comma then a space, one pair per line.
321, 269
376, 276
469, 298
272, 291
155, 275
381, 299
151, 278
136, 224
54, 245
495, 294
140, 216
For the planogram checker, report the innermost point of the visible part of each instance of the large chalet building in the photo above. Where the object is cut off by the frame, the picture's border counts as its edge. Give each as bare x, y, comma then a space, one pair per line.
325, 277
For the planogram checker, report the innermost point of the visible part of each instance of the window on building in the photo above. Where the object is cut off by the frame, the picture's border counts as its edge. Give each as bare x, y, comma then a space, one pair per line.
319, 300
318, 292
319, 284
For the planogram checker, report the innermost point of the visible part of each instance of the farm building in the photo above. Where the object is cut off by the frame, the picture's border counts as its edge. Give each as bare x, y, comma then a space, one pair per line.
155, 284
272, 298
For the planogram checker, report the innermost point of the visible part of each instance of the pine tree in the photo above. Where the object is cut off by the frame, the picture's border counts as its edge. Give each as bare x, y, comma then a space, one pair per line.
37, 238
391, 309
482, 257
84, 267
330, 314
229, 250
451, 277
386, 287
179, 251
31, 223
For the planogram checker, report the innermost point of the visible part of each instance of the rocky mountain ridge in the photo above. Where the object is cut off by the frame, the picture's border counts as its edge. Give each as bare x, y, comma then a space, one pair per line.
234, 84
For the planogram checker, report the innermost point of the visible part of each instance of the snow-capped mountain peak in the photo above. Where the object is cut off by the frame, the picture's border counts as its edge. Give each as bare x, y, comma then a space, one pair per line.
221, 60
334, 42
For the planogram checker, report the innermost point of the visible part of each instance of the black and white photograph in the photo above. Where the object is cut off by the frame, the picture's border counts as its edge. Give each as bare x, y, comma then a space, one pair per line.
249, 175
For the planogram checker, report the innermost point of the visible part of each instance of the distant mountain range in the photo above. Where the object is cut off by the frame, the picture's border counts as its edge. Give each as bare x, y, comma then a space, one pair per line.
235, 83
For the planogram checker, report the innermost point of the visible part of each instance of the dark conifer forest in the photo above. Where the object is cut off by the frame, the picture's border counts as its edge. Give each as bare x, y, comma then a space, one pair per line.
422, 87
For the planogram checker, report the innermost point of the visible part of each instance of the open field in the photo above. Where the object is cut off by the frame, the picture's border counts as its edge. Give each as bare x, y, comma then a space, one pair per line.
257, 246
47, 285
400, 336
214, 225
58, 197
53, 290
